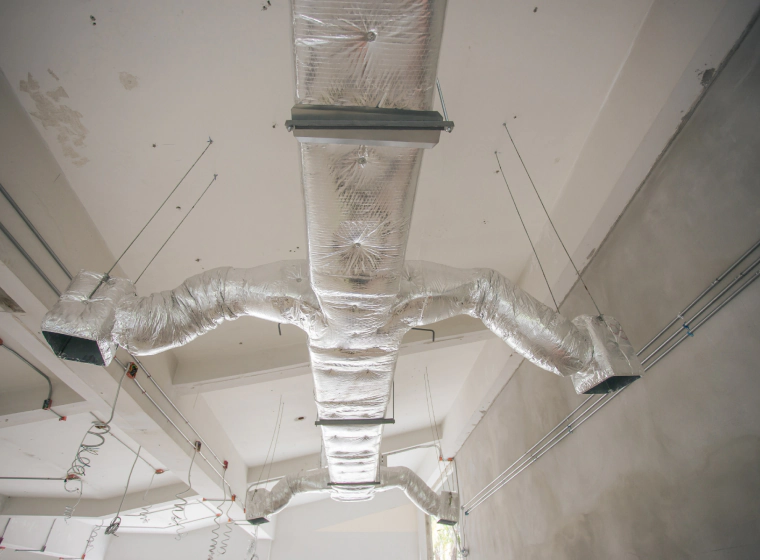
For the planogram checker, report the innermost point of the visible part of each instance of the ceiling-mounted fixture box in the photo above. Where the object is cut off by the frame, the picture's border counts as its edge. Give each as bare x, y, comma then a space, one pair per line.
367, 126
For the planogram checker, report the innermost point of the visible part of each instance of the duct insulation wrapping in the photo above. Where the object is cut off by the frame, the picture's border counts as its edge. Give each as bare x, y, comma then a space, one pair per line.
433, 292
262, 503
614, 356
359, 202
278, 292
367, 53
79, 326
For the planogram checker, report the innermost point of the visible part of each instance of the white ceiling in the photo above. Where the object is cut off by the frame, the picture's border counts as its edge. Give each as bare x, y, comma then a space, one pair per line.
47, 449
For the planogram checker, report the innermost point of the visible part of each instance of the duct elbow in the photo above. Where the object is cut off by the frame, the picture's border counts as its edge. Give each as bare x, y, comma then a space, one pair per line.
536, 331
444, 506
260, 503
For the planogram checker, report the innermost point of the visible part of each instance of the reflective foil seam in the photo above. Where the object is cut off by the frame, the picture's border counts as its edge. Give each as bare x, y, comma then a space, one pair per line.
264, 503
359, 203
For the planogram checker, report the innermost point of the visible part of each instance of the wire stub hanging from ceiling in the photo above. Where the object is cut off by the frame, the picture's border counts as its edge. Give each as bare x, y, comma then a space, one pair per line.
215, 531
116, 522
91, 443
178, 512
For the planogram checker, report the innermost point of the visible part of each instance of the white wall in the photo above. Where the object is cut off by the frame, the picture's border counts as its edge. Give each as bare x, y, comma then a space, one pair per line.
383, 528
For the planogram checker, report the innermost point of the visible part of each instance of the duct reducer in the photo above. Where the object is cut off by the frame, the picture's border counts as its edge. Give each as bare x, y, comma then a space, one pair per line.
365, 76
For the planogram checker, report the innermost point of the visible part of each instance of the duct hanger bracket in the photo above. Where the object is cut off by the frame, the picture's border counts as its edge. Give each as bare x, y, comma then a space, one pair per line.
355, 422
354, 484
368, 126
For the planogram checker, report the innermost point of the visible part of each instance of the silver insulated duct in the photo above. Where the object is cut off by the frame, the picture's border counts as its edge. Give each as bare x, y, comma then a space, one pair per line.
356, 297
359, 202
260, 504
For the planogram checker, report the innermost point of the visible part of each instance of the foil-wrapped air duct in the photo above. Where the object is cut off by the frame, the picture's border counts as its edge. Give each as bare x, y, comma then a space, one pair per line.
367, 53
354, 338
279, 292
262, 503
433, 292
359, 202
79, 326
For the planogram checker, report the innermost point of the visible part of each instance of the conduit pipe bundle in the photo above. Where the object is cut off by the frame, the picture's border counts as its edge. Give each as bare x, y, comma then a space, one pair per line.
355, 297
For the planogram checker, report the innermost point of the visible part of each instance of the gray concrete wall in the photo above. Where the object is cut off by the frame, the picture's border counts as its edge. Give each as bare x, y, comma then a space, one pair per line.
671, 468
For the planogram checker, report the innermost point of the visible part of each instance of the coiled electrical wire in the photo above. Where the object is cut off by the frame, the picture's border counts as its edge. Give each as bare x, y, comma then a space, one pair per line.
215, 530
252, 546
215, 533
91, 446
91, 539
227, 530
178, 513
68, 511
145, 510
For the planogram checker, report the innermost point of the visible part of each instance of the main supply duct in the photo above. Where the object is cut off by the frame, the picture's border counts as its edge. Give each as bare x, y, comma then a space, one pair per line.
356, 296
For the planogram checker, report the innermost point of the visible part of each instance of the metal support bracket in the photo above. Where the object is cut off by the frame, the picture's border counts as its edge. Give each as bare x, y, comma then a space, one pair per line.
355, 422
368, 126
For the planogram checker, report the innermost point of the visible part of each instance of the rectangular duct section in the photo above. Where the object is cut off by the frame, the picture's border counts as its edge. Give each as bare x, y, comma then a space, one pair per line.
359, 200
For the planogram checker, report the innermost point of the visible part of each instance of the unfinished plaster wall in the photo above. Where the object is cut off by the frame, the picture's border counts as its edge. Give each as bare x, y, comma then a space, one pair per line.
670, 468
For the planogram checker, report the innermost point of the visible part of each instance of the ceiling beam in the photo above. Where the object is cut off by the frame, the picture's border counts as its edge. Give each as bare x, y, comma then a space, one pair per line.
23, 407
91, 507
